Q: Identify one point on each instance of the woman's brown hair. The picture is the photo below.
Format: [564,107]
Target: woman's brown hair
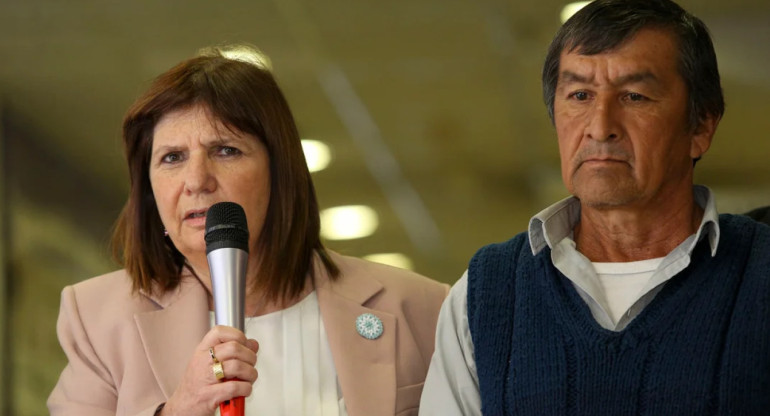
[243,95]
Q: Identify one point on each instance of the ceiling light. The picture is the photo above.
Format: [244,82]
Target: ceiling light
[348,222]
[571,9]
[392,259]
[317,154]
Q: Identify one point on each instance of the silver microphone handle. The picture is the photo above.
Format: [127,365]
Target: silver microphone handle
[228,280]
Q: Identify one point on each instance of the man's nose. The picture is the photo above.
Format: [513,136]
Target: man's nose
[603,120]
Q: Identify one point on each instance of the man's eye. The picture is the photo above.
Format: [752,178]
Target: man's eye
[635,96]
[580,95]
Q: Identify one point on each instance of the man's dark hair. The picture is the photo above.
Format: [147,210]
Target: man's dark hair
[604,25]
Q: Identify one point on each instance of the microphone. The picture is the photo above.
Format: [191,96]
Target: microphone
[227,251]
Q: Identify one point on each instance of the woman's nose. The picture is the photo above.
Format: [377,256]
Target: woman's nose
[199,175]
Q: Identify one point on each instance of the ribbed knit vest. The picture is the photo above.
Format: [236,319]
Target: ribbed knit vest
[702,347]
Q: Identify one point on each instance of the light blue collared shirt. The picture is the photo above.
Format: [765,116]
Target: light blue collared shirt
[553,227]
[452,386]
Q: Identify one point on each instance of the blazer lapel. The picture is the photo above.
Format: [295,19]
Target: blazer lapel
[365,368]
[169,335]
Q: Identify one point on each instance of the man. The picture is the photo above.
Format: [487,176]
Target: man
[761,214]
[633,296]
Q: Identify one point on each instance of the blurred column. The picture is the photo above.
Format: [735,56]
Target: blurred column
[5,405]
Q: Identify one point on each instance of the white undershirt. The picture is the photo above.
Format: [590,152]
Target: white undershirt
[295,365]
[622,283]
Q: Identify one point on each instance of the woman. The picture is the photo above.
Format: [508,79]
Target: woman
[141,341]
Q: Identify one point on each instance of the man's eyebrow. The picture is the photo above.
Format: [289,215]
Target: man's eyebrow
[636,77]
[570,77]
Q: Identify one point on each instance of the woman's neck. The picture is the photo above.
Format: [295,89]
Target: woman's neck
[256,304]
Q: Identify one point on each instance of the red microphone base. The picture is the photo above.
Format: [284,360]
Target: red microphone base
[234,407]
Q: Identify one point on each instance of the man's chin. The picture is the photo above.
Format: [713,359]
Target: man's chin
[606,198]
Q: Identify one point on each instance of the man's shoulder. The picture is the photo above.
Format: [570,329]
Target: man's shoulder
[494,266]
[742,236]
[499,251]
[734,223]
[761,214]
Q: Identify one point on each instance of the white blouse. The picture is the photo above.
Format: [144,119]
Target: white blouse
[295,365]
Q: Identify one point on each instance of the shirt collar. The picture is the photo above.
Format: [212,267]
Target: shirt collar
[551,225]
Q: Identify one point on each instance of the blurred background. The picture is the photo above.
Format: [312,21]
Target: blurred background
[429,111]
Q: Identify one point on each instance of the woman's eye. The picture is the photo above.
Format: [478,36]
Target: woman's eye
[229,151]
[172,158]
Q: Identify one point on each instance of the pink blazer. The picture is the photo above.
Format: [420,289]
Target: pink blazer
[127,353]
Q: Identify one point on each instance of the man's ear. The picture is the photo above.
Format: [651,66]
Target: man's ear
[702,136]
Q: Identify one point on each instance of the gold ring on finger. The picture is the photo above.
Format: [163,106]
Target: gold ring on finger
[219,372]
[213,357]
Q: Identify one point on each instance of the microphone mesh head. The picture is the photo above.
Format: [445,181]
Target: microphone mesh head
[226,227]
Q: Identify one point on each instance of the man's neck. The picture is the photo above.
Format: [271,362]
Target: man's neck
[627,234]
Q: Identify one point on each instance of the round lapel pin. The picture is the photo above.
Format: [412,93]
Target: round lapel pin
[369,326]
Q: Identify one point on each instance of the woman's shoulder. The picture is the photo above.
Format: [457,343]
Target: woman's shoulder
[107,295]
[395,280]
[98,314]
[108,281]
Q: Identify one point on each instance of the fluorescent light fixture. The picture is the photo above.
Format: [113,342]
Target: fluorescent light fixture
[392,259]
[348,222]
[571,9]
[317,154]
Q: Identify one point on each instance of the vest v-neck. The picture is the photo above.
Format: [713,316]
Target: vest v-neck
[672,301]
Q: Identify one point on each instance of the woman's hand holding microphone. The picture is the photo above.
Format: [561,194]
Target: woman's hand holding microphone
[223,367]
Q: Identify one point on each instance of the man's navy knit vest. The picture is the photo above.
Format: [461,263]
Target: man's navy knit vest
[702,347]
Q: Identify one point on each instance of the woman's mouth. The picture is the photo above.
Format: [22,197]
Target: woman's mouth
[197,214]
